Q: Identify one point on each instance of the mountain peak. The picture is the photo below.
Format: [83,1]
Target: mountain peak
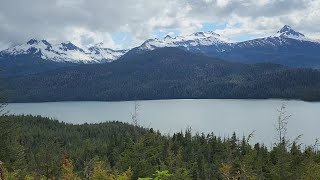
[213,33]
[100,45]
[206,34]
[287,31]
[63,52]
[286,28]
[201,34]
[168,37]
[67,43]
[33,41]
[69,46]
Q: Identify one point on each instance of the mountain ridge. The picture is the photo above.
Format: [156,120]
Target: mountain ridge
[166,73]
[286,46]
[63,52]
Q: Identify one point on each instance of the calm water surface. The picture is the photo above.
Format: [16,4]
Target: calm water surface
[219,116]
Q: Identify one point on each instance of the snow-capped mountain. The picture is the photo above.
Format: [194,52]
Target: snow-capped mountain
[199,42]
[287,46]
[63,52]
[196,39]
[98,51]
[288,32]
[283,37]
[284,47]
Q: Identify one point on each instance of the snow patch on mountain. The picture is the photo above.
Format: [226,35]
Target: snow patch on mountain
[207,43]
[196,39]
[98,51]
[288,32]
[64,52]
[283,37]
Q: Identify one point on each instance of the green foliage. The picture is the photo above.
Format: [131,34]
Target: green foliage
[122,176]
[11,152]
[36,144]
[119,151]
[159,175]
[162,175]
[99,172]
[181,174]
[67,170]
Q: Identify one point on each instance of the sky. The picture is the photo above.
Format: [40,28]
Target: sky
[122,24]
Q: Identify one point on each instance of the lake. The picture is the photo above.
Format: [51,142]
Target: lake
[222,117]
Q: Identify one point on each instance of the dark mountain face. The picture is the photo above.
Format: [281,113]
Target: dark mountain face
[32,41]
[167,73]
[287,51]
[27,64]
[15,63]
[69,46]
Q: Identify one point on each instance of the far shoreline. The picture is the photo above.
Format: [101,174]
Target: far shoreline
[187,99]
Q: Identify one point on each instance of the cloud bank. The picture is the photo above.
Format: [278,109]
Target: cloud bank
[127,23]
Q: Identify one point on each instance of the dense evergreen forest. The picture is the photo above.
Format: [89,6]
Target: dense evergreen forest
[34,147]
[167,73]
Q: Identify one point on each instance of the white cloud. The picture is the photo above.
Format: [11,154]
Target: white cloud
[87,22]
[222,3]
[4,45]
[84,37]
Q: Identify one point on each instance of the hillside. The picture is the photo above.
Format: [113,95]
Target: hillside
[166,73]
[37,147]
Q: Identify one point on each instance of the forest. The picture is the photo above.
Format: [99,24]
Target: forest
[166,73]
[34,147]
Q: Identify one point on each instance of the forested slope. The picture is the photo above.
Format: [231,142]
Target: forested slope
[166,73]
[37,147]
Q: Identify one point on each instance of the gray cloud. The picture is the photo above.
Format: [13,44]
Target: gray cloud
[252,8]
[89,21]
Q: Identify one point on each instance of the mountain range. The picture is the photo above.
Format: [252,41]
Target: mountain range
[39,56]
[63,52]
[201,65]
[287,47]
[166,73]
